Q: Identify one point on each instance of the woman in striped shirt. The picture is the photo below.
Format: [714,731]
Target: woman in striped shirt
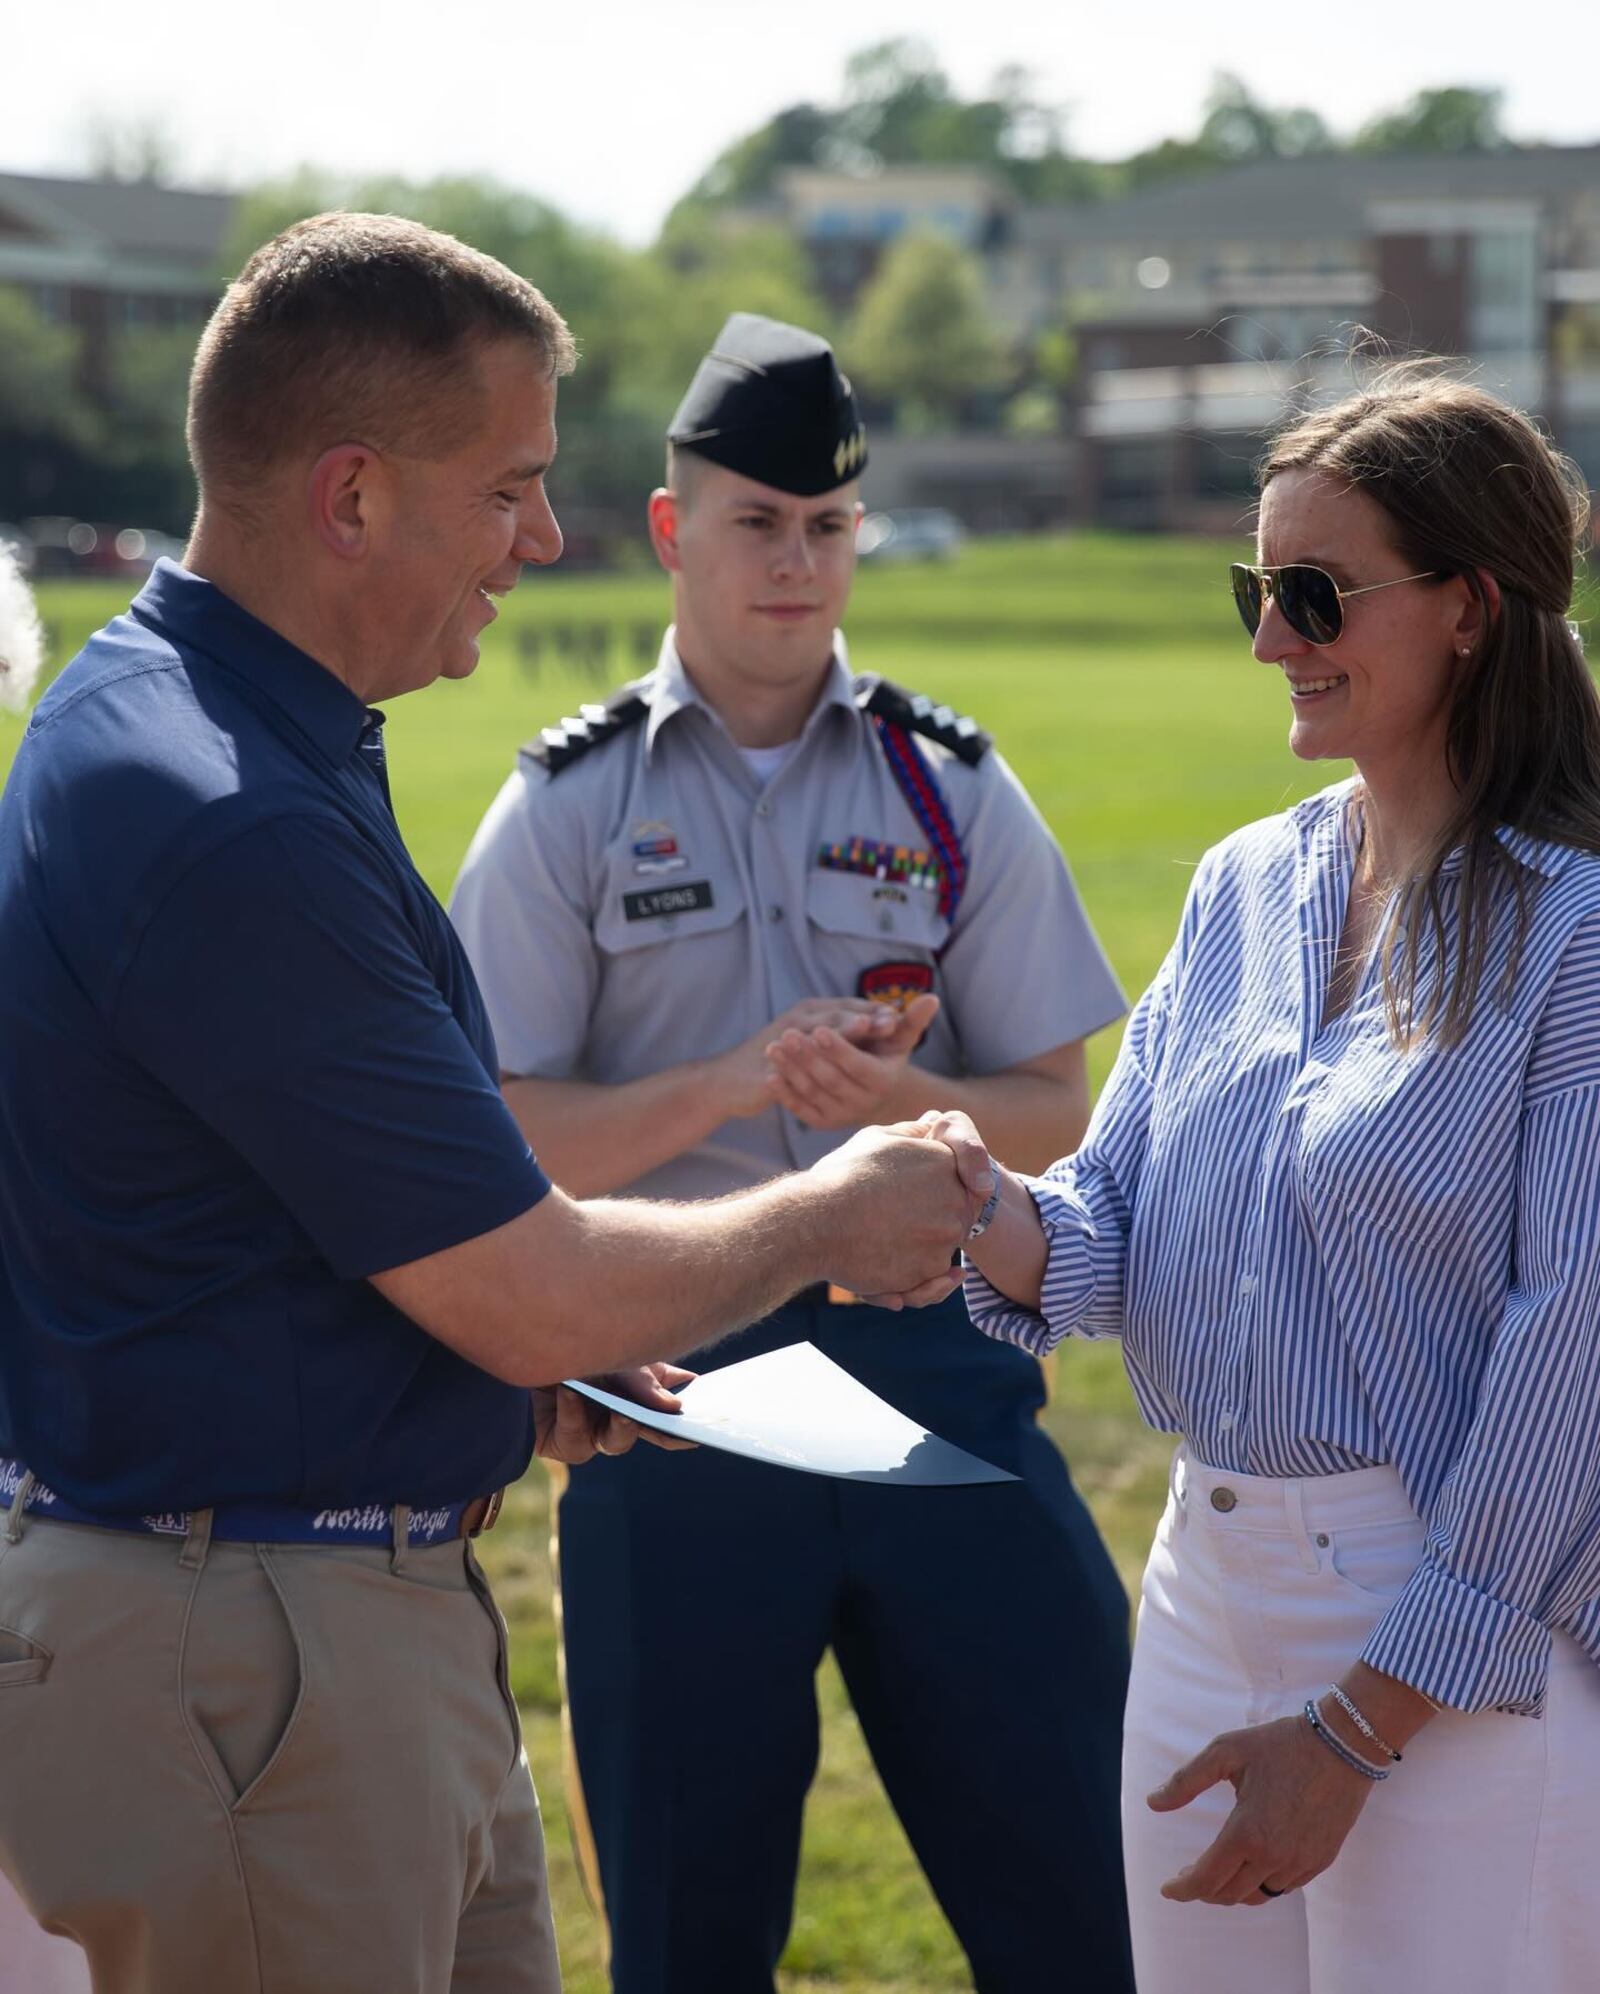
[1341,1202]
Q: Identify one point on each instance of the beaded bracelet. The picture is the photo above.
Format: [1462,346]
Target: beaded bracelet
[1339,1748]
[1346,1704]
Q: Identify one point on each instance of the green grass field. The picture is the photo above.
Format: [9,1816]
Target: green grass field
[1116,679]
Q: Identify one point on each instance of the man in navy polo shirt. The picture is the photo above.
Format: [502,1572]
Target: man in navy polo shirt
[277,1271]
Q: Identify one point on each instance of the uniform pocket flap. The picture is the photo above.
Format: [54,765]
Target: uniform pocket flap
[852,903]
[641,909]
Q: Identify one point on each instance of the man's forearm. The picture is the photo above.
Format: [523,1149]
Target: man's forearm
[1028,1120]
[695,1272]
[574,1287]
[591,1139]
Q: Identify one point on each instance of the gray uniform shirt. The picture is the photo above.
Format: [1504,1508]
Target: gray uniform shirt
[653,903]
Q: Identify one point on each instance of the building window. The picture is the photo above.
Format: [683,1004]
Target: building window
[1503,293]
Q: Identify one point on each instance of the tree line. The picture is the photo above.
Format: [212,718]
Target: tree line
[898,107]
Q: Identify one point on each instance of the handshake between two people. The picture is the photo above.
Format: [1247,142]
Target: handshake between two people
[890,1209]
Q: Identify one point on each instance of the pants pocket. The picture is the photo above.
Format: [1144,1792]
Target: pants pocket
[242,1671]
[1373,1560]
[21,1660]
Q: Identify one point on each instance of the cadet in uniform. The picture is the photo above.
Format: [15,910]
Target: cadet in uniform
[750,902]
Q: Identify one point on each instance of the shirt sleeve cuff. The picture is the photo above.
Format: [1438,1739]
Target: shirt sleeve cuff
[1462,1647]
[479,1210]
[1066,1292]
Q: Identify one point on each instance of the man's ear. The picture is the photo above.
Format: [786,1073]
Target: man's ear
[663,518]
[339,499]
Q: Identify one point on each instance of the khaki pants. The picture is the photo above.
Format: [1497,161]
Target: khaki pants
[266,1769]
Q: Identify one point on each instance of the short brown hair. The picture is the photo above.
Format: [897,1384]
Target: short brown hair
[347,327]
[1470,484]
[683,470]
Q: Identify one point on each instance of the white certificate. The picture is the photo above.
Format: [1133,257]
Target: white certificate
[796,1408]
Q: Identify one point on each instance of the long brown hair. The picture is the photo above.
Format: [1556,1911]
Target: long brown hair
[1469,483]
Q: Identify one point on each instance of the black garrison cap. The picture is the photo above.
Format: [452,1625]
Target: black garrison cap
[769,402]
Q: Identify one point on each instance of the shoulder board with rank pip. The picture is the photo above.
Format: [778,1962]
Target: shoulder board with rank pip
[558,747]
[918,714]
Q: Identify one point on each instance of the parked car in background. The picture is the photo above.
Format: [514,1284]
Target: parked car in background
[59,545]
[78,547]
[134,550]
[920,533]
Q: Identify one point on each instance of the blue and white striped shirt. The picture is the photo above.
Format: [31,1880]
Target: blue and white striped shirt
[1322,1253]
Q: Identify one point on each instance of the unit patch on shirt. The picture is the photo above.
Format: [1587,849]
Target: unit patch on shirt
[685,899]
[655,849]
[895,983]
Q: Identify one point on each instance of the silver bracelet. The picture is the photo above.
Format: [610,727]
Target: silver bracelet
[1339,1748]
[1360,1722]
[991,1205]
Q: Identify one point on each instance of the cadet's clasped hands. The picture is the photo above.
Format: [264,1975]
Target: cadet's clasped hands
[841,1073]
[833,1062]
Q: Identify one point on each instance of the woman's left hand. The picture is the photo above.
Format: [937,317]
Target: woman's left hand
[1296,1803]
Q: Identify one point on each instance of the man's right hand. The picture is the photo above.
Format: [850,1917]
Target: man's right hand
[743,1077]
[902,1200]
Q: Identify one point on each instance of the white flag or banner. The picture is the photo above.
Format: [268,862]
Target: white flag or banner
[795,1408]
[21,637]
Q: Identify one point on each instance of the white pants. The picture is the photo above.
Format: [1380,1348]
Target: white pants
[1475,1869]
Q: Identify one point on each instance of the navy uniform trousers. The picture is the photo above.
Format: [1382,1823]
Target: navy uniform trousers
[982,1633]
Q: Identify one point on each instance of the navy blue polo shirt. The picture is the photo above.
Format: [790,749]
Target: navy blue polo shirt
[243,1066]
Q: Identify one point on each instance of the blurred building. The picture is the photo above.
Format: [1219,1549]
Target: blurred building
[101,256]
[1207,310]
[1204,311]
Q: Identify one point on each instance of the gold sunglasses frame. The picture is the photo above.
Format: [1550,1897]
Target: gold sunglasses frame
[1264,578]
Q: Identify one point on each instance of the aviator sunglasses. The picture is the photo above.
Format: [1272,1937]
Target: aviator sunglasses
[1312,602]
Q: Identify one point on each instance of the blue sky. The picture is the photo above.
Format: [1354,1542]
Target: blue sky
[609,108]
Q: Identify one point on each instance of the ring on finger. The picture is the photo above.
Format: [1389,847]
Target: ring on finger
[1267,1890]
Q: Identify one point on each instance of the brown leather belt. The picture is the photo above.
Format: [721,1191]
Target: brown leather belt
[481,1514]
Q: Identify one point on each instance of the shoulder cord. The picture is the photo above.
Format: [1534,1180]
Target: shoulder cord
[920,787]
